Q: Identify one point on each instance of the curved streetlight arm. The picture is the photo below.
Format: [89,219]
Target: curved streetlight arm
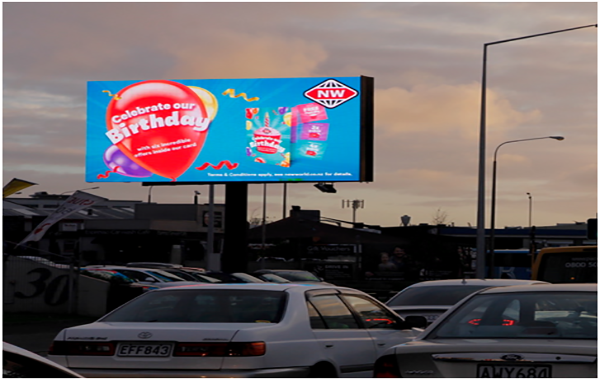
[539,34]
[493,208]
[559,138]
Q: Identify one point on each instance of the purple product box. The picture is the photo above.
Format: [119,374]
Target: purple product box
[315,131]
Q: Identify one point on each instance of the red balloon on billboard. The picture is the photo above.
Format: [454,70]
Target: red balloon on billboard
[160,125]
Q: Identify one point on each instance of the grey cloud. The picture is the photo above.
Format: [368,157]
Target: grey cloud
[52,49]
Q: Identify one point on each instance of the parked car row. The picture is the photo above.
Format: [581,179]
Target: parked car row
[481,328]
[301,330]
[160,275]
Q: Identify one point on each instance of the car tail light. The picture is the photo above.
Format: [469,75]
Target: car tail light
[220,349]
[380,320]
[505,322]
[386,366]
[82,348]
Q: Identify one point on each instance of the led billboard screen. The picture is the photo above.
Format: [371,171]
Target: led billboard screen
[230,130]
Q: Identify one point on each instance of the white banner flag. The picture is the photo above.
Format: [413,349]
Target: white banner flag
[78,201]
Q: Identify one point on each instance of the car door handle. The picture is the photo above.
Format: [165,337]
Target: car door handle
[381,344]
[328,345]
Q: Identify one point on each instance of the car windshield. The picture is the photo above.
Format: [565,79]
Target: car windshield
[531,315]
[165,276]
[204,305]
[112,276]
[433,295]
[247,278]
[184,275]
[202,278]
[298,276]
[274,278]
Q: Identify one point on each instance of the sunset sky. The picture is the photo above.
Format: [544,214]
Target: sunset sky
[426,61]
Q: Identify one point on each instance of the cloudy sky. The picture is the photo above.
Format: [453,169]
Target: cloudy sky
[425,58]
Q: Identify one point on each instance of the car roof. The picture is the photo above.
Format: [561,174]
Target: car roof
[477,282]
[280,270]
[291,287]
[544,288]
[7,347]
[115,267]
[154,264]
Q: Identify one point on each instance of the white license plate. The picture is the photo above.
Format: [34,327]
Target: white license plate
[134,349]
[510,371]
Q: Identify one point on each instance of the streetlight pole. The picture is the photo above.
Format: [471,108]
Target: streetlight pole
[284,200]
[480,270]
[493,210]
[150,193]
[530,208]
[264,227]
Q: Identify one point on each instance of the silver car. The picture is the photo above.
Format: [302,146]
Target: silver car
[545,330]
[430,299]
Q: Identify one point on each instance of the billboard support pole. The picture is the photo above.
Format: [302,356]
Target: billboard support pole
[235,249]
[284,199]
[213,261]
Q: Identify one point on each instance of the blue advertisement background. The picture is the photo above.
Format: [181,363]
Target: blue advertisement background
[227,134]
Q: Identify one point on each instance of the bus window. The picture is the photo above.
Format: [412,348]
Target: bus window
[511,263]
[566,264]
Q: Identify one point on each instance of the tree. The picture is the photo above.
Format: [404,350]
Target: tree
[439,217]
[256,221]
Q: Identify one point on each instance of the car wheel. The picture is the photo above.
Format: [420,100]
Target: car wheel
[323,370]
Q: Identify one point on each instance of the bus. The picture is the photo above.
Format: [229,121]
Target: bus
[510,263]
[559,265]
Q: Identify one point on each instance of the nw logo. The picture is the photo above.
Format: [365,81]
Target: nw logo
[330,93]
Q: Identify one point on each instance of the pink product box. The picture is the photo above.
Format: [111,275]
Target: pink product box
[311,112]
[294,125]
[314,131]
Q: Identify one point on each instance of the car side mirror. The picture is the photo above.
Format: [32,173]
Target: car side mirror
[150,279]
[417,321]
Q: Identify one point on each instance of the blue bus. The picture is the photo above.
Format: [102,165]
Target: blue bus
[510,263]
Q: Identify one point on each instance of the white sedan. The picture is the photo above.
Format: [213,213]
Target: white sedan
[236,330]
[430,299]
[547,330]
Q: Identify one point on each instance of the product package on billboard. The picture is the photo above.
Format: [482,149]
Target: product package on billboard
[230,130]
[268,136]
[314,131]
